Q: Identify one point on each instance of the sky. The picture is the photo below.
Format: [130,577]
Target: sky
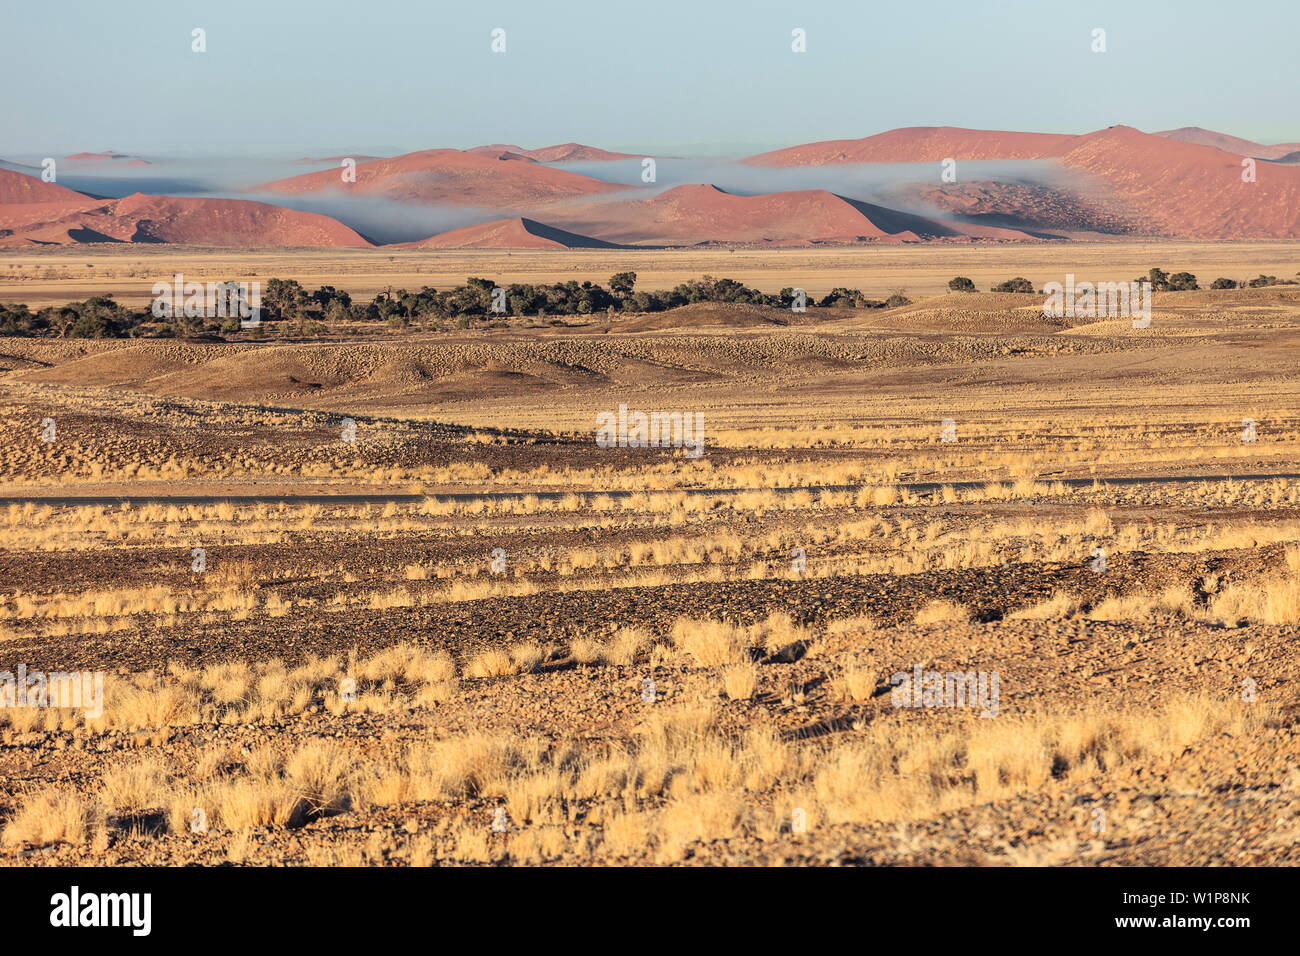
[290,78]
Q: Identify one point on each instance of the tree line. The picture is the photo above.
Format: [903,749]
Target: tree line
[288,304]
[1161,281]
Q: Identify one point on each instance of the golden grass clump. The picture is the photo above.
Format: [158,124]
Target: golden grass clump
[586,651]
[855,683]
[941,611]
[739,680]
[135,786]
[49,816]
[250,802]
[490,663]
[525,658]
[321,771]
[1275,600]
[625,645]
[710,643]
[233,692]
[1059,605]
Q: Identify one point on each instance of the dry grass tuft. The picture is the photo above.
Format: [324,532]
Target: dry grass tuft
[739,680]
[135,786]
[1059,605]
[50,816]
[491,663]
[855,683]
[943,612]
[711,643]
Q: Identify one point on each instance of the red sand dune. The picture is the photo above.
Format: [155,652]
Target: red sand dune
[141,218]
[563,153]
[1179,189]
[916,144]
[1151,184]
[20,188]
[1163,184]
[359,157]
[700,213]
[496,149]
[453,176]
[62,223]
[1229,144]
[1053,211]
[108,156]
[231,222]
[517,233]
[570,152]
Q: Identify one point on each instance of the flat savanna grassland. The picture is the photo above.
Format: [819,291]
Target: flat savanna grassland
[528,649]
[52,276]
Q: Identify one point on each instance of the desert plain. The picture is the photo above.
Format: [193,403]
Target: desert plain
[381,598]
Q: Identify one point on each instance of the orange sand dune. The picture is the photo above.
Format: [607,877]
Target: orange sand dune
[108,156]
[141,218]
[1162,185]
[358,157]
[231,222]
[517,233]
[496,149]
[1229,144]
[20,188]
[28,219]
[1183,190]
[704,213]
[563,153]
[453,176]
[916,144]
[569,152]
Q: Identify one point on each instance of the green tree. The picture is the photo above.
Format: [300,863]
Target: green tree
[622,284]
[1159,280]
[897,297]
[961,284]
[284,297]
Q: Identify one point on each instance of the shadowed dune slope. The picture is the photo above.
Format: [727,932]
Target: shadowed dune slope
[517,233]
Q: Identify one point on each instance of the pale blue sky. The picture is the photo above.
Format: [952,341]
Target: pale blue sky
[664,76]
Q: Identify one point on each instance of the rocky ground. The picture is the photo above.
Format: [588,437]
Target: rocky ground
[462,674]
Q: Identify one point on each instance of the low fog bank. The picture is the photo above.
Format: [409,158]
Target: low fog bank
[178,177]
[384,220]
[868,182]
